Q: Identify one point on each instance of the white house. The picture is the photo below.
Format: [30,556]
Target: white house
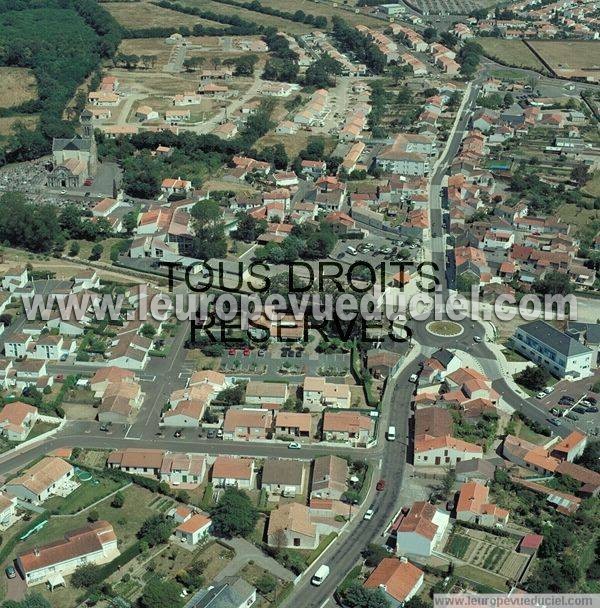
[232,471]
[17,420]
[7,510]
[15,278]
[194,529]
[419,531]
[95,544]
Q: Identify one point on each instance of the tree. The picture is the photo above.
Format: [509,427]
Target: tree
[210,241]
[148,331]
[161,594]
[155,530]
[266,584]
[96,252]
[249,228]
[118,500]
[430,34]
[31,600]
[373,554]
[93,515]
[130,221]
[580,174]
[87,575]
[534,378]
[554,283]
[234,515]
[6,319]
[357,596]
[447,482]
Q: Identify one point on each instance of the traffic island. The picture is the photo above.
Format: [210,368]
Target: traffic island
[444,329]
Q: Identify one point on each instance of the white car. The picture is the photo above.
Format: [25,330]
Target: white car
[294,446]
[548,390]
[369,514]
[477,339]
[413,378]
[541,395]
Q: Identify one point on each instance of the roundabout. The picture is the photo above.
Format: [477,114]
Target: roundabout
[445,329]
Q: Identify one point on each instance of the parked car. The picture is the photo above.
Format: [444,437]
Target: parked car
[548,389]
[262,352]
[555,421]
[369,513]
[541,395]
[59,377]
[477,339]
[104,428]
[246,352]
[10,572]
[380,485]
[580,409]
[219,432]
[211,434]
[592,400]
[413,378]
[232,351]
[298,353]
[593,409]
[294,445]
[572,416]
[177,434]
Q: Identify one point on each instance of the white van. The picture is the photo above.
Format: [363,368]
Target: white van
[391,433]
[320,575]
[351,250]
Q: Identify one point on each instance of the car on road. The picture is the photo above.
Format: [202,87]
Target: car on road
[380,485]
[413,378]
[294,445]
[320,575]
[369,513]
[477,339]
[541,395]
[555,422]
[10,572]
[177,434]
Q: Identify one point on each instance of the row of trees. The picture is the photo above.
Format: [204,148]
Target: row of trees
[282,66]
[298,16]
[363,48]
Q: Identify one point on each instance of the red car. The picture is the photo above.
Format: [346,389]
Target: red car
[380,485]
[60,378]
[88,182]
[246,352]
[232,351]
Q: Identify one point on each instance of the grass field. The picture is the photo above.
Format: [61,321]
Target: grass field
[85,495]
[569,54]
[18,86]
[577,217]
[458,545]
[8,124]
[135,15]
[286,25]
[325,9]
[593,186]
[512,52]
[147,46]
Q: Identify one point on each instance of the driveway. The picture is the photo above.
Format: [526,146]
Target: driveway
[244,552]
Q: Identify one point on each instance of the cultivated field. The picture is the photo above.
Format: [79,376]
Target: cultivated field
[225,9]
[147,46]
[569,54]
[134,15]
[511,52]
[18,86]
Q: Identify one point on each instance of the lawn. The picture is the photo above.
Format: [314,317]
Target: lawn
[135,15]
[576,216]
[18,86]
[481,577]
[444,328]
[569,54]
[511,52]
[41,427]
[325,542]
[524,432]
[85,495]
[291,27]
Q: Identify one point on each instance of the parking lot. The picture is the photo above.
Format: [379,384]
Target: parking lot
[572,394]
[374,251]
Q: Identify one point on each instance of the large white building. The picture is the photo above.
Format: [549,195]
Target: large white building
[554,350]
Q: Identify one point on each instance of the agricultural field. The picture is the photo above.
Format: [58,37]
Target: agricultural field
[291,27]
[8,124]
[134,15]
[18,86]
[569,54]
[511,52]
[450,7]
[147,46]
[484,551]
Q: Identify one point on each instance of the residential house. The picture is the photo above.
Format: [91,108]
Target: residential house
[329,477]
[569,448]
[473,506]
[261,393]
[293,424]
[282,476]
[182,469]
[96,543]
[476,469]
[349,427]
[109,375]
[45,478]
[318,393]
[232,471]
[187,413]
[8,510]
[247,424]
[443,451]
[17,420]
[419,530]
[398,579]
[137,461]
[194,529]
[290,526]
[231,592]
